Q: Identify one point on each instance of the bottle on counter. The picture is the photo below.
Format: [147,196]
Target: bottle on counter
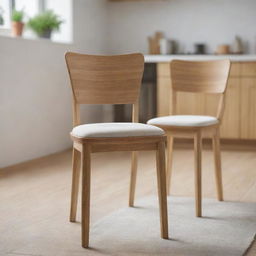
[165,46]
[154,42]
[237,45]
[200,48]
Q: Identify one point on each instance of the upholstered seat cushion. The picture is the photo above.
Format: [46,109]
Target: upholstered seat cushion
[115,130]
[184,120]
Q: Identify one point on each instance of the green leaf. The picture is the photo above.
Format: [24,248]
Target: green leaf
[17,16]
[45,21]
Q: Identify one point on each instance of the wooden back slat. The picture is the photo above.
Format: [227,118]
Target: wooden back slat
[200,76]
[105,79]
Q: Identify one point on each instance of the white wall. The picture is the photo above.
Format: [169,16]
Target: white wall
[35,95]
[212,22]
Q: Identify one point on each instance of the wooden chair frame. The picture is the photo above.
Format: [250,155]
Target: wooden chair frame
[98,68]
[198,77]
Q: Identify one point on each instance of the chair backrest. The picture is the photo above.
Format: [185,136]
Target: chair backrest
[105,79]
[200,76]
[209,77]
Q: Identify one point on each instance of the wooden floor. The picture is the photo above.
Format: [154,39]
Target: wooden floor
[29,191]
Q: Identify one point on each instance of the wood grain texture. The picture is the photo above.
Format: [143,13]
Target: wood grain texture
[248,69]
[198,174]
[75,183]
[162,192]
[200,76]
[231,122]
[163,96]
[248,108]
[86,194]
[105,79]
[134,166]
[235,69]
[217,161]
[134,159]
[169,157]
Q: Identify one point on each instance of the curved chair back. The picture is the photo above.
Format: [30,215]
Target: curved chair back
[209,77]
[200,76]
[105,79]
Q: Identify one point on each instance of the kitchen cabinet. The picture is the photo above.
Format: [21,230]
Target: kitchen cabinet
[248,107]
[239,120]
[163,96]
[230,127]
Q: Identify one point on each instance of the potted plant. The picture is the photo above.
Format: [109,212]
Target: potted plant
[43,24]
[17,22]
[1,16]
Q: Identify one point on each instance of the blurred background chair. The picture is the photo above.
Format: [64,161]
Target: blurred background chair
[196,77]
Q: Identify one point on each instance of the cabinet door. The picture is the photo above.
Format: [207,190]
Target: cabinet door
[248,108]
[230,127]
[248,69]
[163,89]
[211,102]
[163,96]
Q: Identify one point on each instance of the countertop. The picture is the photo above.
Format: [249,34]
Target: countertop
[168,58]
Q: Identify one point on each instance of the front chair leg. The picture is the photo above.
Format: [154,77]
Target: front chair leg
[86,184]
[133,178]
[75,184]
[217,160]
[162,194]
[198,174]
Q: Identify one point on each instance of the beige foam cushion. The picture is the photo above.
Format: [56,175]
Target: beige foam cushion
[114,130]
[184,120]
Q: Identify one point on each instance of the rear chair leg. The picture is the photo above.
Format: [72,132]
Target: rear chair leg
[133,178]
[198,178]
[217,160]
[169,163]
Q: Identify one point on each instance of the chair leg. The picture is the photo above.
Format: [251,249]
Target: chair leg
[75,184]
[86,184]
[169,163]
[162,194]
[217,160]
[134,167]
[198,174]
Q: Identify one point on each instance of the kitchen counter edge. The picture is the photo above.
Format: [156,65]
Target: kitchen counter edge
[168,58]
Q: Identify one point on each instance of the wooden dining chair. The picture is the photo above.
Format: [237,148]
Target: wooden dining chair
[110,80]
[196,77]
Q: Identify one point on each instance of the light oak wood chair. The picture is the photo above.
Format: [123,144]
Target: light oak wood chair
[196,77]
[110,80]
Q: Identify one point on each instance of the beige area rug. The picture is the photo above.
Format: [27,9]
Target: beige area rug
[227,228]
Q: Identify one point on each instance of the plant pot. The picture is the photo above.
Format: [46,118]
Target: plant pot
[46,34]
[17,28]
